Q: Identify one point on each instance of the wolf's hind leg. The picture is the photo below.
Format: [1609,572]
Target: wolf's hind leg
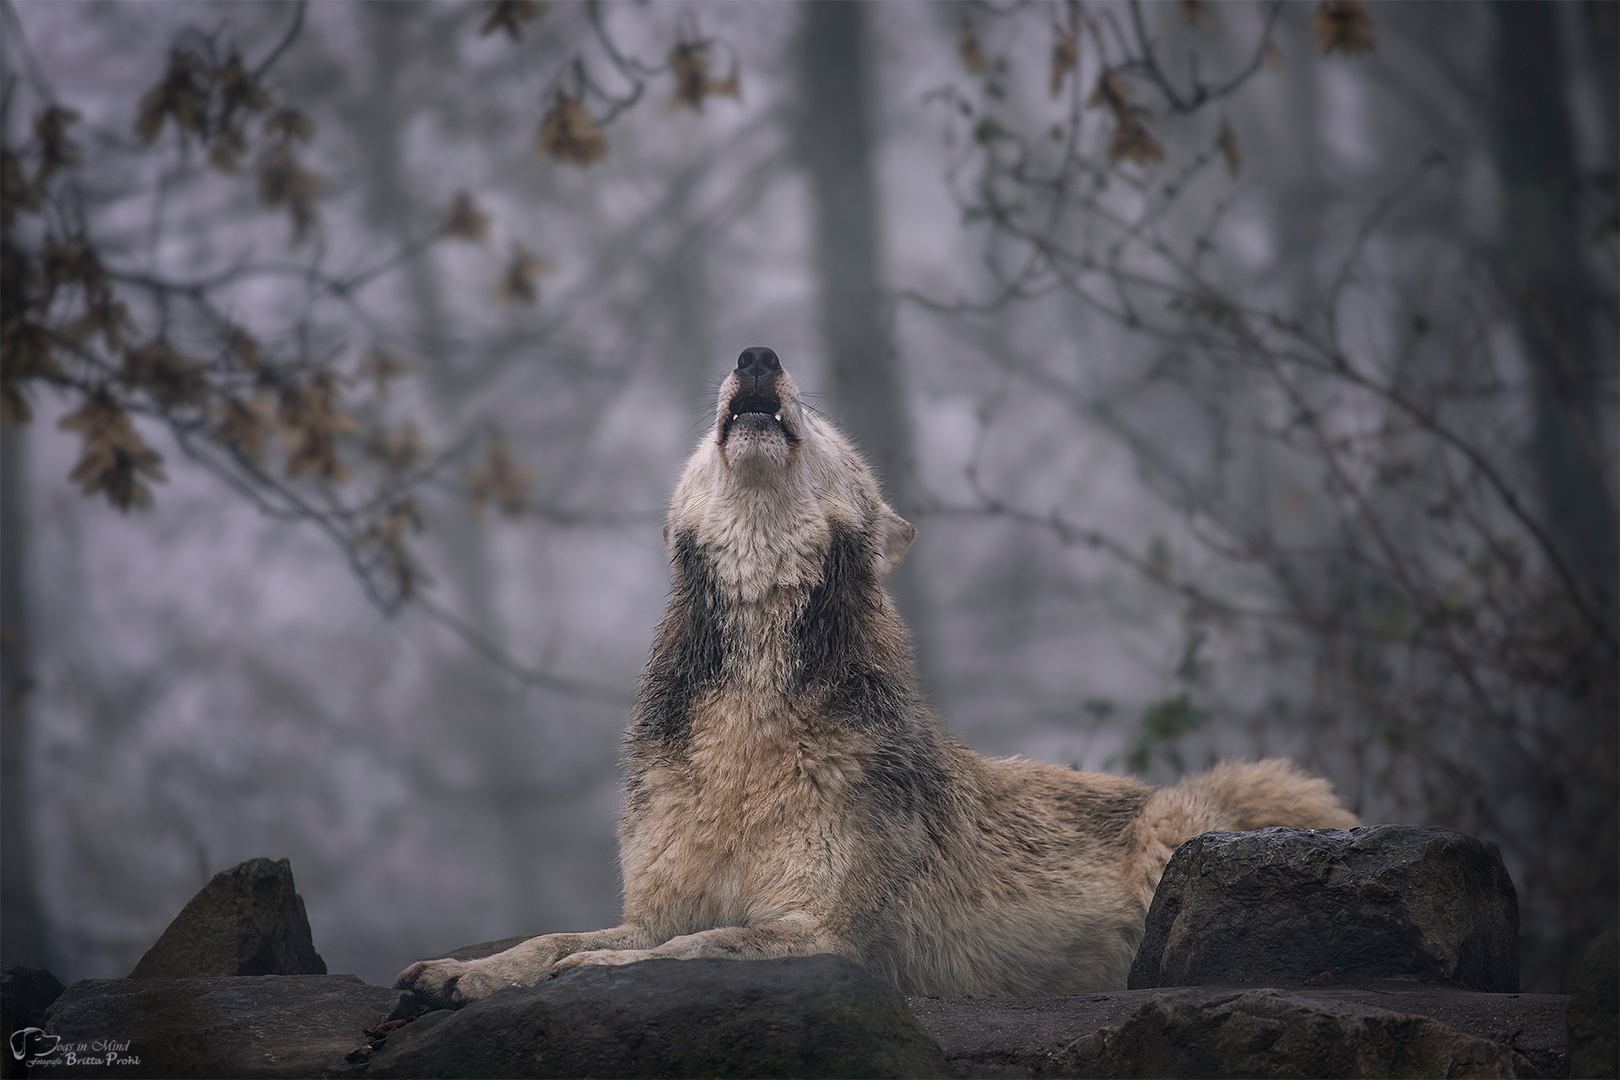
[790,935]
[453,983]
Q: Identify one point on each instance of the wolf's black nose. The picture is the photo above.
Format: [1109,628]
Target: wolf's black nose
[758,362]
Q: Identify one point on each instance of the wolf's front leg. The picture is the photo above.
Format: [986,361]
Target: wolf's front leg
[790,935]
[450,984]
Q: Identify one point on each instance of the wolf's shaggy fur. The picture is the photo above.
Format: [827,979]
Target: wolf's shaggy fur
[789,791]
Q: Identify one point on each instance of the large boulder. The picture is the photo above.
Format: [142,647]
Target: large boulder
[1292,907]
[1272,1033]
[799,1016]
[249,920]
[274,1026]
[1594,1011]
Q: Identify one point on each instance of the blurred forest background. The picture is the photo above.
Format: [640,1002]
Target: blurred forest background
[1249,370]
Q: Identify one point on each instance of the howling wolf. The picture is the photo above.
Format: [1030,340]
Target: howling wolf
[789,792]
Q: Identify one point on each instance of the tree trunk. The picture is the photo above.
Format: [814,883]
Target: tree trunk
[23,929]
[1543,267]
[835,145]
[1553,297]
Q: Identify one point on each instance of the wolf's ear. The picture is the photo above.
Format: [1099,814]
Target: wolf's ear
[894,535]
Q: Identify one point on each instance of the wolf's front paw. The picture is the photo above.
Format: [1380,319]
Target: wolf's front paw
[446,984]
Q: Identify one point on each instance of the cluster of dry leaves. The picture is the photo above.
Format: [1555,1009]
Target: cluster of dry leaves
[65,325]
[1339,26]
[1131,140]
[211,103]
[568,132]
[65,322]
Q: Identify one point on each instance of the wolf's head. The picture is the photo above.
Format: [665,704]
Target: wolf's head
[764,491]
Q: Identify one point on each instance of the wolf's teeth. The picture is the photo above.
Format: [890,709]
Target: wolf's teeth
[778,418]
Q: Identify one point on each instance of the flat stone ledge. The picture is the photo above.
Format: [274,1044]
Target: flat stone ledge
[261,1026]
[802,1016]
[1024,1037]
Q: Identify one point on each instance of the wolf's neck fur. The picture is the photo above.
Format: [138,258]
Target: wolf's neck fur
[762,537]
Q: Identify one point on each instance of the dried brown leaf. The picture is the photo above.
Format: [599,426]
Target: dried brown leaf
[1229,150]
[114,456]
[519,281]
[499,478]
[245,348]
[15,191]
[1111,92]
[728,87]
[245,426]
[382,366]
[509,16]
[283,181]
[967,48]
[149,115]
[72,262]
[1343,25]
[690,62]
[397,449]
[310,426]
[1274,58]
[388,534]
[57,151]
[178,95]
[14,408]
[238,90]
[465,221]
[569,134]
[105,315]
[1065,58]
[391,527]
[25,354]
[1133,142]
[169,379]
[290,124]
[1196,14]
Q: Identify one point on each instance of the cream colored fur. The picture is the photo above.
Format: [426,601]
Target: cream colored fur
[773,810]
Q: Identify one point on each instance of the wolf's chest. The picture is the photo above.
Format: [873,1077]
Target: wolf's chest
[749,825]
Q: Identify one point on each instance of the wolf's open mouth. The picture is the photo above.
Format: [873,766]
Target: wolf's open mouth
[755,410]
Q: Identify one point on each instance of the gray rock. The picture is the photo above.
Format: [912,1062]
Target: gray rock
[249,920]
[1273,1033]
[25,994]
[799,1016]
[1013,1037]
[1292,907]
[1594,1011]
[274,1026]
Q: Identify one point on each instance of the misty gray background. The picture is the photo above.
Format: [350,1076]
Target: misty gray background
[211,685]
